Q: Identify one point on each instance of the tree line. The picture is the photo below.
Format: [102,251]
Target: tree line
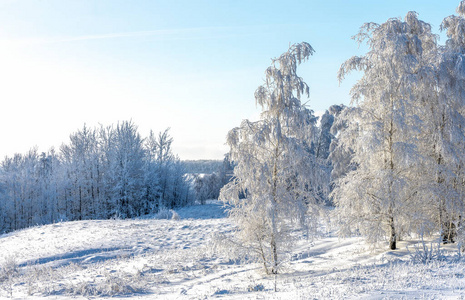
[103,172]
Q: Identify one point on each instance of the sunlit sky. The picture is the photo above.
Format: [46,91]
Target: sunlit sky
[189,65]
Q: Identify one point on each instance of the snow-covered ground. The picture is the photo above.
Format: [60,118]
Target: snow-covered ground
[175,259]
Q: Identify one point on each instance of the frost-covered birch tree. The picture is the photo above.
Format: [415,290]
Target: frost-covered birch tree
[81,160]
[275,172]
[378,198]
[126,167]
[448,124]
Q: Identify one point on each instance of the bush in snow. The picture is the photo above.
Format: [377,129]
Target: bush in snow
[167,214]
[111,285]
[8,271]
[422,253]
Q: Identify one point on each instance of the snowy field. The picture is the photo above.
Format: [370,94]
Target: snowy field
[176,259]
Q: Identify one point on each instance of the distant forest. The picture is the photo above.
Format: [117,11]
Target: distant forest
[103,172]
[204,166]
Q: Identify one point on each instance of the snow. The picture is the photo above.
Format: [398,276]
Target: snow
[149,258]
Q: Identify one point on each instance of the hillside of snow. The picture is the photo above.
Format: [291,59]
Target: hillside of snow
[154,258]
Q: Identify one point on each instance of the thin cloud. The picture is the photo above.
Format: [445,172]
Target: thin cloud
[181,33]
[163,32]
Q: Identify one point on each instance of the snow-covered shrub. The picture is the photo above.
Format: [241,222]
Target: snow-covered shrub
[255,288]
[167,214]
[8,270]
[225,247]
[422,253]
[174,215]
[111,285]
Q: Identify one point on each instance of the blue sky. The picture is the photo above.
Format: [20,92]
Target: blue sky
[189,65]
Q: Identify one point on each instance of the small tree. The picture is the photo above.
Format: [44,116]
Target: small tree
[274,169]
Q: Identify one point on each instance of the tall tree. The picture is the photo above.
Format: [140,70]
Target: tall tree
[126,166]
[81,160]
[377,197]
[447,111]
[274,169]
